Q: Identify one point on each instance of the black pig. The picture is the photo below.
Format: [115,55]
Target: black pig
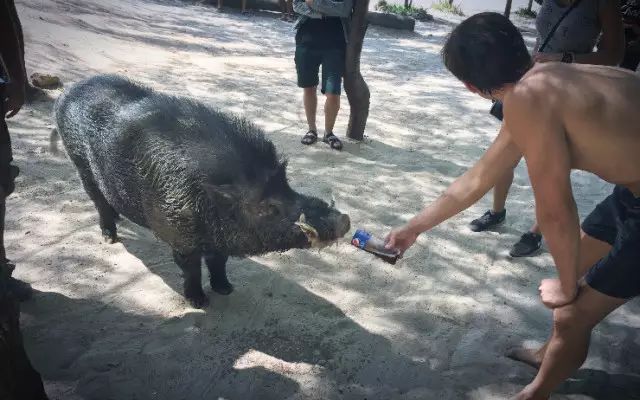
[208,184]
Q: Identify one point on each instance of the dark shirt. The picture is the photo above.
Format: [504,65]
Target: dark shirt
[324,33]
[631,10]
[8,15]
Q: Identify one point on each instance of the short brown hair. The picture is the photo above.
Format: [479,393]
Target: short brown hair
[487,51]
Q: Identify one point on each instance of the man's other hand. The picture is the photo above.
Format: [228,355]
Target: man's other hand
[552,294]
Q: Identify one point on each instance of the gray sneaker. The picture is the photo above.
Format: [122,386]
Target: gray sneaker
[528,244]
[488,220]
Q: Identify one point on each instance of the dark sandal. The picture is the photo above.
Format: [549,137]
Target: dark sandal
[333,141]
[310,138]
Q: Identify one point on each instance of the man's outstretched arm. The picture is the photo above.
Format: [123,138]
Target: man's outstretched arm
[465,191]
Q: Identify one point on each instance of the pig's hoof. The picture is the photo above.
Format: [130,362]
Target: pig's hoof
[224,288]
[109,236]
[199,301]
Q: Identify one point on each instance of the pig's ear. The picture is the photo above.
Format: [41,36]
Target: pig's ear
[225,193]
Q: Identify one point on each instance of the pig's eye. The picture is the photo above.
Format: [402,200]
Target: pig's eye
[274,210]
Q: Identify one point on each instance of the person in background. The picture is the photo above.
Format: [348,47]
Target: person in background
[31,93]
[287,10]
[13,84]
[631,18]
[321,37]
[572,42]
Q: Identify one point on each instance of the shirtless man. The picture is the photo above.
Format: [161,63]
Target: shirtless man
[558,117]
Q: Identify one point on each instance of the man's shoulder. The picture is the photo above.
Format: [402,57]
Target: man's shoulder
[539,84]
[541,72]
[525,95]
[534,98]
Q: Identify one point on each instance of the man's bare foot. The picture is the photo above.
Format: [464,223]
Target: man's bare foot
[528,394]
[531,357]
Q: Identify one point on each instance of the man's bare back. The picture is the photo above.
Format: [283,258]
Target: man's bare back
[599,109]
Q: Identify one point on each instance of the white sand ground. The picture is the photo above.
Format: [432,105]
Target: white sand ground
[109,322]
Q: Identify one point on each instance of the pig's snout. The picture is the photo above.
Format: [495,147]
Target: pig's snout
[343,224]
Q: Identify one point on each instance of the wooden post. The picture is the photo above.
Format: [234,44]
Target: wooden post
[354,85]
[507,9]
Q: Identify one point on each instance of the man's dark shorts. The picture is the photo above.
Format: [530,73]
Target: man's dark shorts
[8,172]
[616,221]
[308,61]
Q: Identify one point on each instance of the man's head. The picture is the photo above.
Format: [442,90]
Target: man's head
[486,52]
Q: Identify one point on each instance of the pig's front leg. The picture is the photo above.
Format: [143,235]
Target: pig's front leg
[217,264]
[191,266]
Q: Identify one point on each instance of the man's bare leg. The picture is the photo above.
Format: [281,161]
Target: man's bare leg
[501,191]
[496,215]
[531,357]
[535,228]
[331,108]
[591,251]
[310,100]
[567,349]
[290,9]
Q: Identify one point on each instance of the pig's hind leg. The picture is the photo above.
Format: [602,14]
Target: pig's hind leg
[217,265]
[106,213]
[191,266]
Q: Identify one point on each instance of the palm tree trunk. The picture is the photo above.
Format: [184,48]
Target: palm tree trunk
[354,85]
[507,9]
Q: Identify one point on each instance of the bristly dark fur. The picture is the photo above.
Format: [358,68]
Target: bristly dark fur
[239,138]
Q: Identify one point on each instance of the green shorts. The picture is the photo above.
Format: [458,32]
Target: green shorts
[308,62]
